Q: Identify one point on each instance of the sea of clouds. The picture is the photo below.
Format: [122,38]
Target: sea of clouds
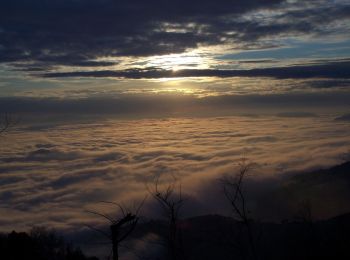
[51,174]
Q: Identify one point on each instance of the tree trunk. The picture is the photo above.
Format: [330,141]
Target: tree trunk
[115,251]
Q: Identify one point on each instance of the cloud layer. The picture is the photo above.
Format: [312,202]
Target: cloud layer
[329,70]
[175,104]
[52,175]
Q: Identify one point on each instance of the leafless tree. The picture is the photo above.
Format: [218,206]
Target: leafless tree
[304,212]
[170,198]
[311,236]
[6,122]
[345,157]
[234,193]
[120,228]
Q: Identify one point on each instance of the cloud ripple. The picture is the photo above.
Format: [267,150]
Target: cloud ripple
[50,176]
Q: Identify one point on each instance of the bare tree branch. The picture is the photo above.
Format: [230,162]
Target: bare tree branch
[101,215]
[6,122]
[171,201]
[117,204]
[120,228]
[233,191]
[99,231]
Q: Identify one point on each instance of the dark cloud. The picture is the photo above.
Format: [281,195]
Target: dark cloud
[169,105]
[76,33]
[83,30]
[326,70]
[44,155]
[345,117]
[296,114]
[329,83]
[49,63]
[257,61]
[112,157]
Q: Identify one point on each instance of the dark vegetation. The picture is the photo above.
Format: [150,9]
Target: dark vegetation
[240,236]
[39,244]
[6,122]
[219,237]
[206,237]
[171,202]
[119,228]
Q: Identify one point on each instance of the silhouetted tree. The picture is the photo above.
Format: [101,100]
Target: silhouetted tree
[304,213]
[310,235]
[120,228]
[6,121]
[171,201]
[234,193]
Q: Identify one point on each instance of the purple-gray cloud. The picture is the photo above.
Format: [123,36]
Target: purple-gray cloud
[76,33]
[145,105]
[330,70]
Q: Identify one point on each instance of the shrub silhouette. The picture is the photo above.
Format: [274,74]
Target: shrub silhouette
[39,244]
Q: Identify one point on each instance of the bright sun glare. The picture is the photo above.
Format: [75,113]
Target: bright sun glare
[176,62]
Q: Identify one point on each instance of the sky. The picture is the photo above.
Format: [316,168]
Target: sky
[108,94]
[83,49]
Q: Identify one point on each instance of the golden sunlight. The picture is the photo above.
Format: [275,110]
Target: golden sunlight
[177,62]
